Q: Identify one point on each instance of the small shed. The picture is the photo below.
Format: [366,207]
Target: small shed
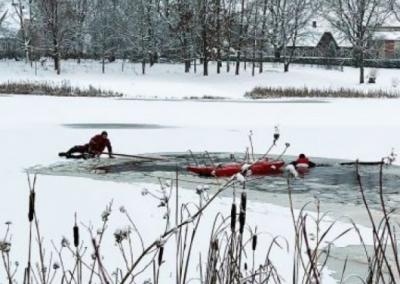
[319,39]
[387,43]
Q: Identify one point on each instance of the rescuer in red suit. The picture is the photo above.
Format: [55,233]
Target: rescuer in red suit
[93,149]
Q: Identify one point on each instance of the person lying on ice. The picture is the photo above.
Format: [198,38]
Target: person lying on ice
[303,162]
[93,149]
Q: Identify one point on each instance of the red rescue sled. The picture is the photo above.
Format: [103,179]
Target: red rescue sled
[262,167]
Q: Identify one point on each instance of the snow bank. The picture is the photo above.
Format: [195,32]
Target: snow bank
[174,83]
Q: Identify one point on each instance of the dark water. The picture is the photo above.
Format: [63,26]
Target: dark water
[332,182]
[114,126]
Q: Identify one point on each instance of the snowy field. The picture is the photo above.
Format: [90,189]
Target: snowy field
[33,132]
[176,84]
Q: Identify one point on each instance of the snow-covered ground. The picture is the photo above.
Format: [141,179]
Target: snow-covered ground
[174,83]
[33,133]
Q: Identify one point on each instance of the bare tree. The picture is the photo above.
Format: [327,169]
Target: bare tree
[55,15]
[179,16]
[288,19]
[394,6]
[219,34]
[103,31]
[205,34]
[240,36]
[3,17]
[357,20]
[255,32]
[24,25]
[80,12]
[263,33]
[229,9]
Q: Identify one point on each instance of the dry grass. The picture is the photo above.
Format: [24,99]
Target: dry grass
[271,92]
[51,89]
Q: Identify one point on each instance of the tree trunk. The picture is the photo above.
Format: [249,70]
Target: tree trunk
[286,67]
[229,37]
[218,38]
[237,63]
[103,65]
[362,67]
[143,66]
[187,65]
[204,38]
[240,38]
[56,57]
[56,64]
[254,56]
[253,69]
[205,67]
[27,57]
[186,53]
[80,51]
[277,55]
[264,23]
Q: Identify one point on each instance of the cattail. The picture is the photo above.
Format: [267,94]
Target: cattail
[215,245]
[31,212]
[76,234]
[94,243]
[254,242]
[242,214]
[243,201]
[242,221]
[160,255]
[233,217]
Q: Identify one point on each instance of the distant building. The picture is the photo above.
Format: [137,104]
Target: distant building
[319,39]
[8,44]
[386,42]
[322,40]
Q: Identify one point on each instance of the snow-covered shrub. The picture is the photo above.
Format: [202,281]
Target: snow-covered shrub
[272,92]
[373,74]
[51,89]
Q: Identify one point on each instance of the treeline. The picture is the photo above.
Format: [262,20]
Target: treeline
[186,31]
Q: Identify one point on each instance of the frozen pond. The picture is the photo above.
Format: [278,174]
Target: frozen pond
[338,129]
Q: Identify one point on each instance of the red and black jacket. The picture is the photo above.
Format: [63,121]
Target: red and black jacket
[98,143]
[303,161]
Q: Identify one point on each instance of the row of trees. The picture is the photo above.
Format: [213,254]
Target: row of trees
[229,31]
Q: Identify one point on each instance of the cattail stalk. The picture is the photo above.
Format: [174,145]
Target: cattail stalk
[242,214]
[76,236]
[233,217]
[75,231]
[254,242]
[31,212]
[160,255]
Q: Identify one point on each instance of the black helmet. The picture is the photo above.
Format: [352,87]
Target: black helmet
[104,133]
[302,156]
